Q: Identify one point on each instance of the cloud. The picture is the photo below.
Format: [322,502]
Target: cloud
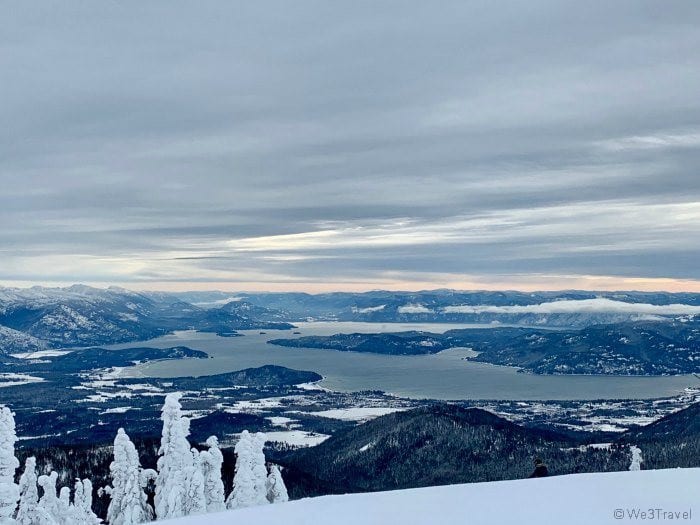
[414,309]
[598,305]
[368,309]
[308,144]
[682,140]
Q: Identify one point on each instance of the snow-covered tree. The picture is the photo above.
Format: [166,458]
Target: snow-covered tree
[49,503]
[174,461]
[81,509]
[9,491]
[29,512]
[211,461]
[250,478]
[242,493]
[128,502]
[637,460]
[195,500]
[65,509]
[90,517]
[259,468]
[57,507]
[276,490]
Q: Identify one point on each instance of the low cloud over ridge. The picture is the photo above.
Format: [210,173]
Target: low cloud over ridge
[598,305]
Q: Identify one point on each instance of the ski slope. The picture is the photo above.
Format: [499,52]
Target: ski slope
[581,499]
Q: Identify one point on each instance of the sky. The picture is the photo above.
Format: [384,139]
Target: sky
[325,145]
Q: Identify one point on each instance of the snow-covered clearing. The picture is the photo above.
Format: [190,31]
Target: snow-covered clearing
[356,413]
[43,436]
[297,438]
[12,379]
[41,353]
[594,446]
[144,387]
[580,499]
[118,410]
[313,386]
[255,406]
[103,397]
[281,421]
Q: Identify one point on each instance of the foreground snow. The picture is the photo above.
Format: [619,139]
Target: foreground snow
[585,499]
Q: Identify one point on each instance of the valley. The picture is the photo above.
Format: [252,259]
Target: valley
[256,362]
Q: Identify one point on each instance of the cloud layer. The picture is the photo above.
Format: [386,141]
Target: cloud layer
[314,145]
[599,305]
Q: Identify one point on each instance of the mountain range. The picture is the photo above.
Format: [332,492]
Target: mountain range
[37,318]
[630,333]
[564,308]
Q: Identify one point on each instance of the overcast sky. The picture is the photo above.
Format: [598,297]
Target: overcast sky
[351,145]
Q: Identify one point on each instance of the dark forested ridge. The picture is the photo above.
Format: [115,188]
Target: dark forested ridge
[444,444]
[670,442]
[399,343]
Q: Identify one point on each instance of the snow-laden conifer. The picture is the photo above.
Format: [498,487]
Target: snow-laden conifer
[195,500]
[259,468]
[29,512]
[211,461]
[174,461]
[250,478]
[637,460]
[9,491]
[81,508]
[242,493]
[49,503]
[276,490]
[128,502]
[65,509]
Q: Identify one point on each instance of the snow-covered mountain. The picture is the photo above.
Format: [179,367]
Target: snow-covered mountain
[14,341]
[80,315]
[585,499]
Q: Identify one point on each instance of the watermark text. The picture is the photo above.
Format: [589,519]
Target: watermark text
[653,514]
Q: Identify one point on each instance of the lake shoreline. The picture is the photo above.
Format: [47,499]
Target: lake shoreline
[442,376]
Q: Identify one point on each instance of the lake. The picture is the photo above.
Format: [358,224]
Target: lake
[446,375]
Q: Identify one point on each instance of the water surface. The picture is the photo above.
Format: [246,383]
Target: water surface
[446,375]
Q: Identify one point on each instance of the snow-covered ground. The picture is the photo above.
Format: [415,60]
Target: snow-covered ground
[297,438]
[580,499]
[41,353]
[12,379]
[356,413]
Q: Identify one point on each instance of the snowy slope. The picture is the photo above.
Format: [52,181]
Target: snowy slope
[581,499]
[16,341]
[77,315]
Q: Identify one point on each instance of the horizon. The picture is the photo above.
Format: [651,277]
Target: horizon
[207,289]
